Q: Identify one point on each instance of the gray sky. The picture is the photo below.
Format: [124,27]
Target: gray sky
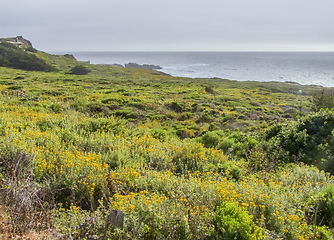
[171,25]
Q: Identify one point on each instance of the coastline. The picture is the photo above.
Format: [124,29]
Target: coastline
[306,68]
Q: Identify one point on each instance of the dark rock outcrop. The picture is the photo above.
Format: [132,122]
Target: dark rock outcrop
[144,66]
[117,65]
[18,41]
[24,41]
[70,56]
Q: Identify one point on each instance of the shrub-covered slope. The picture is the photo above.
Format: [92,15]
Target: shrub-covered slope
[21,58]
[182,158]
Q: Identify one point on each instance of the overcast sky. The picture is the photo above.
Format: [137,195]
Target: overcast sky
[171,25]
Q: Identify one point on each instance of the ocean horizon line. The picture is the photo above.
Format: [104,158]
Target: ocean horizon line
[143,51]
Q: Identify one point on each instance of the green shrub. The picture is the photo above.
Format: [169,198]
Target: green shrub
[258,160]
[186,116]
[205,117]
[15,87]
[56,107]
[158,133]
[153,116]
[176,107]
[118,100]
[239,144]
[108,124]
[113,160]
[214,126]
[308,140]
[137,105]
[93,107]
[236,173]
[79,70]
[321,209]
[232,222]
[78,104]
[228,170]
[210,139]
[126,112]
[226,144]
[53,92]
[228,117]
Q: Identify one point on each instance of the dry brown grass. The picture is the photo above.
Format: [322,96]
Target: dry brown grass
[23,211]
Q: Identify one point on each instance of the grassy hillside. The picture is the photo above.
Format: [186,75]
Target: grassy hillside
[182,158]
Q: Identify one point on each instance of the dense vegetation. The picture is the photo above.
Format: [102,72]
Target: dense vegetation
[182,158]
[21,58]
[308,140]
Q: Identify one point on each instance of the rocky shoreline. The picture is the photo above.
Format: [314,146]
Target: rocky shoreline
[144,66]
[134,65]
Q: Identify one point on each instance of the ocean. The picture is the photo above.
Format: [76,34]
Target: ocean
[307,68]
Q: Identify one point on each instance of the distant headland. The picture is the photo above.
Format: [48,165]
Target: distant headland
[18,41]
